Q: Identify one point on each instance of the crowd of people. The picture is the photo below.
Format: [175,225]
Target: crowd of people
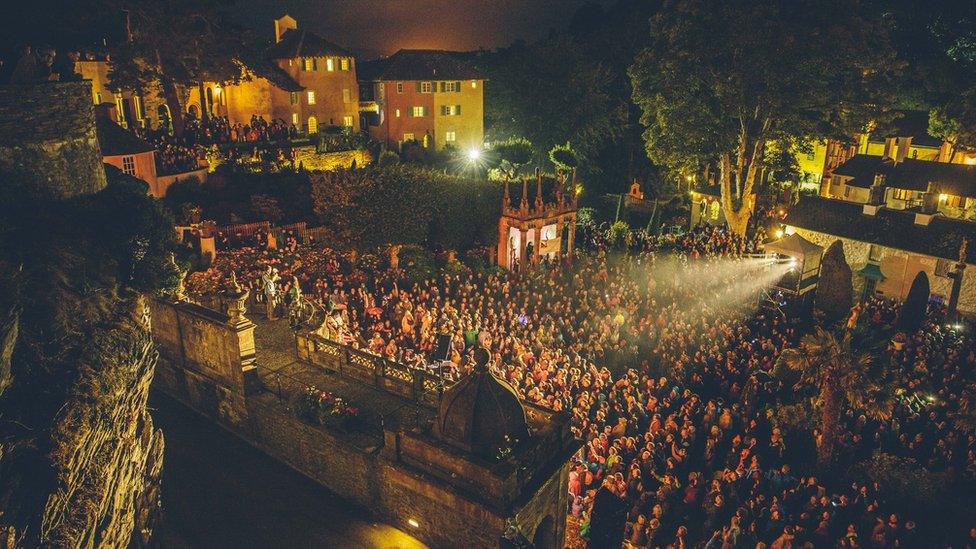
[666,369]
[219,130]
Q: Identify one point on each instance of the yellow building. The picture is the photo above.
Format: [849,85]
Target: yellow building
[428,96]
[302,79]
[130,109]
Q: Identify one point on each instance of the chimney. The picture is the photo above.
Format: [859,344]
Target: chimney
[904,143]
[889,147]
[283,24]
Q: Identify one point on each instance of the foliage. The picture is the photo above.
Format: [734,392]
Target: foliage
[722,79]
[417,263]
[266,207]
[905,484]
[511,155]
[841,379]
[388,158]
[232,196]
[913,309]
[405,204]
[618,234]
[835,290]
[325,408]
[564,157]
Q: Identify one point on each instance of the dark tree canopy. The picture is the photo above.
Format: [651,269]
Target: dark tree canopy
[913,310]
[721,79]
[835,290]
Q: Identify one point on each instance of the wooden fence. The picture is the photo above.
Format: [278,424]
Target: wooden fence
[245,229]
[417,385]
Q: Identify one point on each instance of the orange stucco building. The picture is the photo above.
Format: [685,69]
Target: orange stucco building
[302,79]
[428,96]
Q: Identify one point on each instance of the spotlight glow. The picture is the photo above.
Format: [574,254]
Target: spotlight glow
[474,155]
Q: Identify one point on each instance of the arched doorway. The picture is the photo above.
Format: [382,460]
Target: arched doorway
[193,112]
[545,534]
[313,125]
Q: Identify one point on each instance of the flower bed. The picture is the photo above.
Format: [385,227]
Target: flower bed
[326,409]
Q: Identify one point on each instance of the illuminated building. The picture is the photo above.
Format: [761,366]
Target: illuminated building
[302,79]
[428,96]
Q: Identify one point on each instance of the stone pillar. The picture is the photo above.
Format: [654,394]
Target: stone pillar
[523,236]
[572,237]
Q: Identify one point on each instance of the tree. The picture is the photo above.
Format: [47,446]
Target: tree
[913,310]
[835,290]
[511,155]
[185,42]
[841,380]
[721,79]
[563,157]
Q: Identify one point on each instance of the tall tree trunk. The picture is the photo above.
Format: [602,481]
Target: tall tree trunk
[748,162]
[829,420]
[204,106]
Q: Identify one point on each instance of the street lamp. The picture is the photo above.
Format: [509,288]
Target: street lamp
[474,155]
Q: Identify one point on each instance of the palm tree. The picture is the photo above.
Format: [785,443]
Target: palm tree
[827,363]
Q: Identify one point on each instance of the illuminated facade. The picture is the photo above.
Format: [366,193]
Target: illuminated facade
[302,79]
[427,96]
[537,228]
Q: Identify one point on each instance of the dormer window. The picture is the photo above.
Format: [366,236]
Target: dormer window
[309,64]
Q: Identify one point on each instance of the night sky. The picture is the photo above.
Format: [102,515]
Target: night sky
[384,26]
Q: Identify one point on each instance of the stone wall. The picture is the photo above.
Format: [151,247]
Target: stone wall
[47,138]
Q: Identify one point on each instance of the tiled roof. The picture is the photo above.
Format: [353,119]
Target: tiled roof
[419,65]
[890,228]
[297,43]
[955,179]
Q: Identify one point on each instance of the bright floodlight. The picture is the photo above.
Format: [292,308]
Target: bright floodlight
[474,154]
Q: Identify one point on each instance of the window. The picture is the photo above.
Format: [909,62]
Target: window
[294,118]
[450,110]
[419,112]
[450,137]
[98,98]
[309,64]
[474,83]
[329,64]
[399,87]
[313,125]
[398,113]
[129,165]
[137,103]
[120,110]
[408,137]
[380,91]
[901,194]
[425,87]
[450,86]
[311,97]
[293,96]
[346,95]
[347,121]
[343,64]
[875,253]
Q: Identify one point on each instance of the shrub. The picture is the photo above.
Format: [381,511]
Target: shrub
[913,310]
[835,290]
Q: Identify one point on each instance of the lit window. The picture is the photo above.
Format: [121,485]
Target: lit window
[474,83]
[329,64]
[309,64]
[313,125]
[426,87]
[311,97]
[399,87]
[347,121]
[137,103]
[343,64]
[398,113]
[408,137]
[346,95]
[293,96]
[294,118]
[119,110]
[98,98]
[450,110]
[418,112]
[129,165]
[450,137]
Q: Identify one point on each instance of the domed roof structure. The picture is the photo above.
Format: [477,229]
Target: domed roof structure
[481,414]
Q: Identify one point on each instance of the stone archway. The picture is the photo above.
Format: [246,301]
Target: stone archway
[545,534]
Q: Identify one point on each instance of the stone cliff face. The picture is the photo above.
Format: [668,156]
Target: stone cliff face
[80,460]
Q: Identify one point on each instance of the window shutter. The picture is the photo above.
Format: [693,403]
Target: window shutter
[418,86]
[442,86]
[457,86]
[457,109]
[315,64]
